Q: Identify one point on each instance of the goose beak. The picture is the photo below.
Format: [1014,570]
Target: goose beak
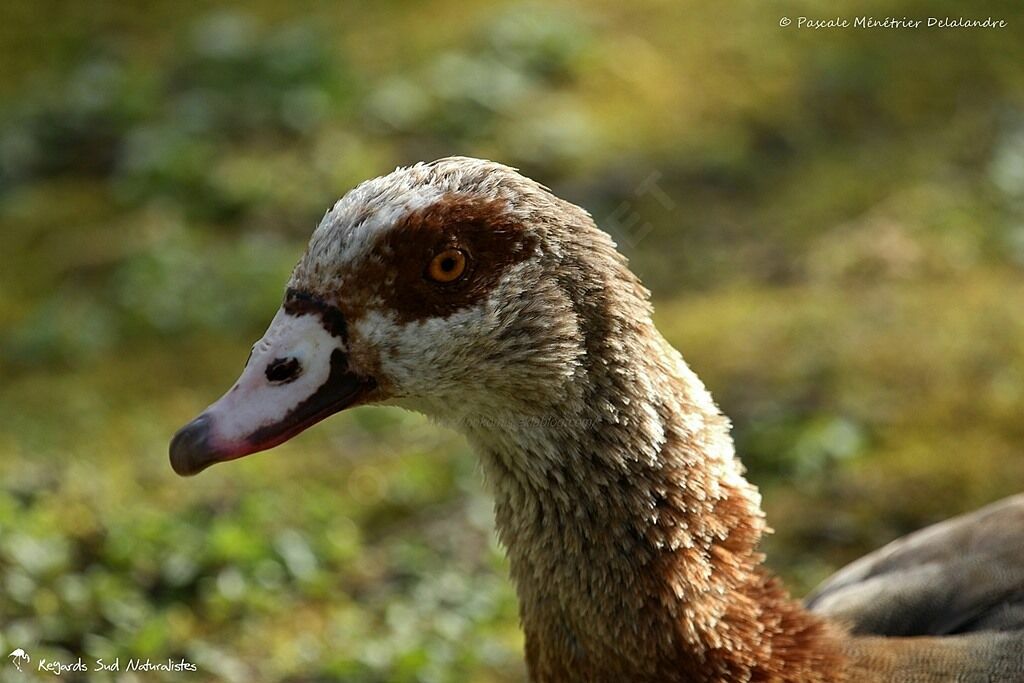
[297,375]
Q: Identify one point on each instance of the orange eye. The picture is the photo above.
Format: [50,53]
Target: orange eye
[447,266]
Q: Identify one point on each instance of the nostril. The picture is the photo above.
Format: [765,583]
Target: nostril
[283,370]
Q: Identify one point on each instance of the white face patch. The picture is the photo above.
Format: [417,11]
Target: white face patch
[287,366]
[476,363]
[426,358]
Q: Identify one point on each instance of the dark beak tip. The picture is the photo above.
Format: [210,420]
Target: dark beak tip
[190,450]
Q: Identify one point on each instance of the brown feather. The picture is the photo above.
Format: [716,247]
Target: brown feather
[631,531]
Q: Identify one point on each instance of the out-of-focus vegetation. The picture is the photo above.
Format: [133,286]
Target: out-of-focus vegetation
[832,223]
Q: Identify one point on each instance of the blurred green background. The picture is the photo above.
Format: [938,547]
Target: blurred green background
[832,223]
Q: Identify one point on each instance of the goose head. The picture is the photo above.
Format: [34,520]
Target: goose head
[457,288]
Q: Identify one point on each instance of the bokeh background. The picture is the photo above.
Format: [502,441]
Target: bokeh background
[832,223]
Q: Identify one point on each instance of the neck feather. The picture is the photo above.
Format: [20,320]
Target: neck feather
[632,534]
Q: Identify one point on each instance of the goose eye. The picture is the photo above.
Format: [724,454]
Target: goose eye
[447,266]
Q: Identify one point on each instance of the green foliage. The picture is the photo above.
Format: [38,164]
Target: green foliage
[832,224]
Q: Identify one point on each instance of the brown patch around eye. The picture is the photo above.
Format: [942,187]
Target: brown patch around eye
[418,272]
[396,276]
[447,266]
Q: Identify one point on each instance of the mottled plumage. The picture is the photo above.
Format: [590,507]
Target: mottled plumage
[631,530]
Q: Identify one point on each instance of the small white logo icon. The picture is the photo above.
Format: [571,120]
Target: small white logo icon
[19,656]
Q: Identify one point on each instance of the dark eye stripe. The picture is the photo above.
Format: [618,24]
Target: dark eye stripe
[297,302]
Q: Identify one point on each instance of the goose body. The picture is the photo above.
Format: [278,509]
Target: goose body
[468,292]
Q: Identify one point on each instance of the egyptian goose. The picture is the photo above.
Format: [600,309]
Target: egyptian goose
[465,291]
